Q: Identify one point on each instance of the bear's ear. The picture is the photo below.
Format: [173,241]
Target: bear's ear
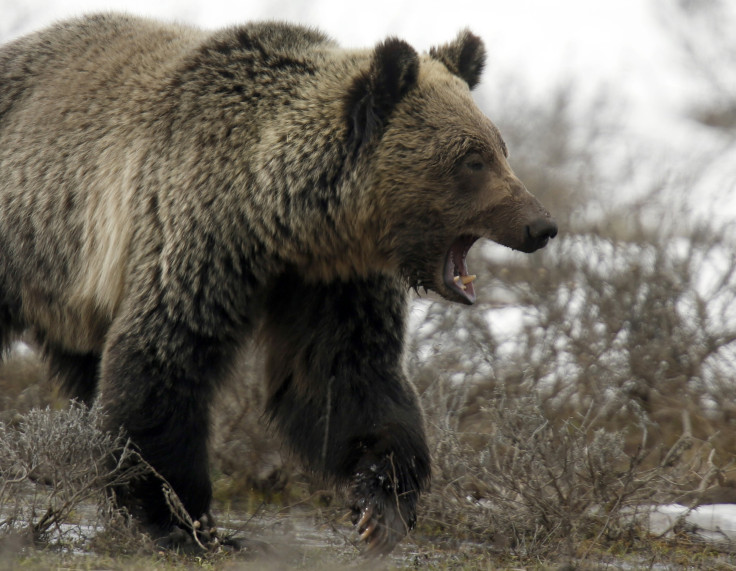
[375,92]
[465,57]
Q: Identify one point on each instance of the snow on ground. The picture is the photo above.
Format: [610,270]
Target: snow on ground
[716,522]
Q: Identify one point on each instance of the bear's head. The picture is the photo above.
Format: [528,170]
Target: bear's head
[440,179]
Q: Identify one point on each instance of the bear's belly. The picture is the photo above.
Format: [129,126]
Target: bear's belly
[76,328]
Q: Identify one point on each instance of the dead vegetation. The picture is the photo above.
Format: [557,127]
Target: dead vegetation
[52,464]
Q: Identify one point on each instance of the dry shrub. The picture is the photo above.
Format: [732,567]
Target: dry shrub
[650,321]
[541,486]
[54,465]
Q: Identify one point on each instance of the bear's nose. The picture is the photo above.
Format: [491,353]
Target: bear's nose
[539,232]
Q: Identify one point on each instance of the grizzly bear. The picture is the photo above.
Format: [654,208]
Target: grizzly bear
[167,193]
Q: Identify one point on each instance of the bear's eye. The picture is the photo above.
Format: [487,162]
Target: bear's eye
[474,162]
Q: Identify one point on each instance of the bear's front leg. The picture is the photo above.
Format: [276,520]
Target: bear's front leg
[339,394]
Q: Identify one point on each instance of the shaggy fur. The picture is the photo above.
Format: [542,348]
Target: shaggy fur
[167,192]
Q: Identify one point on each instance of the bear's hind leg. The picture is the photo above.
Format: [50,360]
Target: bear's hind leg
[11,325]
[77,373]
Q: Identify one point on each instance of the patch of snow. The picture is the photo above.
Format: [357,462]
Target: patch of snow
[715,522]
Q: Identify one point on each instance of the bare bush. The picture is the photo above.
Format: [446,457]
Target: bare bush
[53,463]
[541,485]
[652,321]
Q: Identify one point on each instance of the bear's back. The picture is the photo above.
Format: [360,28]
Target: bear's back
[88,56]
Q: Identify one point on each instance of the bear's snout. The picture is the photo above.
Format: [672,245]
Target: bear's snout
[539,232]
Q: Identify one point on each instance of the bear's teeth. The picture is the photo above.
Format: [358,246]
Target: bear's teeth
[465,279]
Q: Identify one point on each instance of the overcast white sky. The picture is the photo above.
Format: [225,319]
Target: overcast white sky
[543,40]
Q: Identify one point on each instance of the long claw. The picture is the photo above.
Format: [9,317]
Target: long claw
[364,518]
[370,528]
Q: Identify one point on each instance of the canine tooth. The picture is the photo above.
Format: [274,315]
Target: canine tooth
[456,279]
[467,279]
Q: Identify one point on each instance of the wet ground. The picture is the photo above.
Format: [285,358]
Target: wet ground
[271,538]
[308,537]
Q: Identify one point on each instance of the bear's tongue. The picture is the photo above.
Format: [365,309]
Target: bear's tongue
[456,276]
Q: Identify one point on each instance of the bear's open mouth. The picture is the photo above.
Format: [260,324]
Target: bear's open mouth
[456,276]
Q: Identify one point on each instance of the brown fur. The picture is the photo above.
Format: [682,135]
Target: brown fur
[164,190]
